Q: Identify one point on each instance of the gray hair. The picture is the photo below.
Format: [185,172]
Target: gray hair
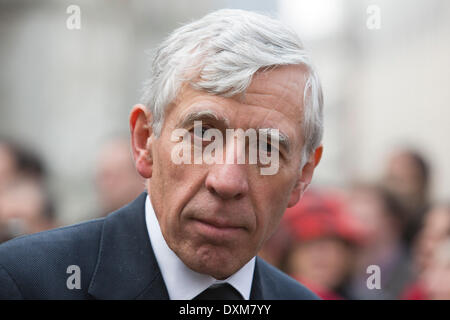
[220,53]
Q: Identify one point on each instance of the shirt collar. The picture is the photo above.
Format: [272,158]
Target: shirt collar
[181,282]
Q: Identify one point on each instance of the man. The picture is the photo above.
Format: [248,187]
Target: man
[197,232]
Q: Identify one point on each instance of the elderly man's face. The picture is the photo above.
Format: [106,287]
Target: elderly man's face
[215,217]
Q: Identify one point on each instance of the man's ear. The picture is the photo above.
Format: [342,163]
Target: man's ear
[141,140]
[305,176]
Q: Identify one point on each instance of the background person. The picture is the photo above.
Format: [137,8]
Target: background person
[325,238]
[437,275]
[383,220]
[25,203]
[26,208]
[407,177]
[435,229]
[116,180]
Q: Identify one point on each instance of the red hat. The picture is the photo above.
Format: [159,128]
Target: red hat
[320,215]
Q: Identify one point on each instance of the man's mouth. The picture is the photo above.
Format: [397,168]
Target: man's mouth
[217,229]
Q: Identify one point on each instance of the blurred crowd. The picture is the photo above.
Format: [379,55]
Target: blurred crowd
[26,203]
[332,239]
[328,241]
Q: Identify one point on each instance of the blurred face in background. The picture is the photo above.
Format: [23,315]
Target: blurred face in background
[368,208]
[117,181]
[323,262]
[406,179]
[216,217]
[437,276]
[22,208]
[435,229]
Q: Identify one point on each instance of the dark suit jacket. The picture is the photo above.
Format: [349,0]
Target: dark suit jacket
[116,261]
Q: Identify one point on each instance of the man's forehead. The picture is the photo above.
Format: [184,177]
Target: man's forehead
[280,88]
[282,84]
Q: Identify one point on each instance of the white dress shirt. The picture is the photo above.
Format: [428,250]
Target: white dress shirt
[181,282]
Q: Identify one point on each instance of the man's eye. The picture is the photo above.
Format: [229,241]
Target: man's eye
[266,147]
[199,131]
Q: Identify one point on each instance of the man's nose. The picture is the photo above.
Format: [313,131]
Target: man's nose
[227,181]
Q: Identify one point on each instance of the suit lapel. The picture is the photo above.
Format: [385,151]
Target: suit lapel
[257,292]
[266,284]
[126,265]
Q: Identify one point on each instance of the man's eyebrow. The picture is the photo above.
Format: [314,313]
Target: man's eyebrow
[203,115]
[283,139]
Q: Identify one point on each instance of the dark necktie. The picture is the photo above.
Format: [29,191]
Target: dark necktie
[223,291]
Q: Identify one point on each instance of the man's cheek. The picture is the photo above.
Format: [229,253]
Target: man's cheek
[275,210]
[173,173]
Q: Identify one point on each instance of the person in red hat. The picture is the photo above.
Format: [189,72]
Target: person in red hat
[324,241]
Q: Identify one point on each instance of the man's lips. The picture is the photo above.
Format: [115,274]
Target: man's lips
[219,223]
[218,229]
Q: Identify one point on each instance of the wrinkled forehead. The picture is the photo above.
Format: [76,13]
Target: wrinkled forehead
[279,88]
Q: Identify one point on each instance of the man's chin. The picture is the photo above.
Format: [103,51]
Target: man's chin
[220,264]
